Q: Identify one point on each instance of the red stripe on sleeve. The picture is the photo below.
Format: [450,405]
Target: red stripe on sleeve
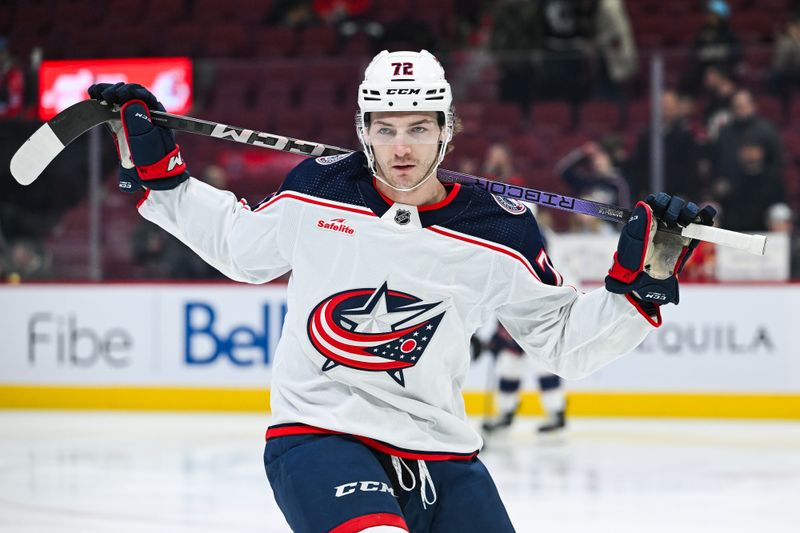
[653,322]
[143,198]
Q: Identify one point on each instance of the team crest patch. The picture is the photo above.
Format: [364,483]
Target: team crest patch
[374,330]
[331,159]
[509,204]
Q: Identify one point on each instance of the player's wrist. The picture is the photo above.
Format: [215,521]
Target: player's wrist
[647,289]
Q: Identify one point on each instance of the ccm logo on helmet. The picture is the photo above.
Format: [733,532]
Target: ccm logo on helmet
[402,91]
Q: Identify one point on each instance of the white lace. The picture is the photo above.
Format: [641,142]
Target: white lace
[425,480]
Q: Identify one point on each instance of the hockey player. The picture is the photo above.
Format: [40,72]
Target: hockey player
[391,272]
[511,366]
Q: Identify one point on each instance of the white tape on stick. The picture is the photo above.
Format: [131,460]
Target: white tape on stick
[754,244]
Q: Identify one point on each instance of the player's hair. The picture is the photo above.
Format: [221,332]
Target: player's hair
[458,127]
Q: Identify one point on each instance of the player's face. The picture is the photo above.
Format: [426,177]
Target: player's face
[405,144]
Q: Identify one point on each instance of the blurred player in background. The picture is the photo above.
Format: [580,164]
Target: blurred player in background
[392,271]
[511,367]
[510,362]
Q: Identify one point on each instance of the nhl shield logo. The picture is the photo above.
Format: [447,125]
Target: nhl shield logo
[374,330]
[402,217]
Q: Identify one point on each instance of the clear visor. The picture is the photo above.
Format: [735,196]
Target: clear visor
[427,132]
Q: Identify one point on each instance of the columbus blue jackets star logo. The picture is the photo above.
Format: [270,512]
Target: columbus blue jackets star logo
[378,330]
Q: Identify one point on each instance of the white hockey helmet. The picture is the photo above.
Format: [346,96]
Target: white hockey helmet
[405,81]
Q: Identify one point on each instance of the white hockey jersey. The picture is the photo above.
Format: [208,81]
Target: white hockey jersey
[383,298]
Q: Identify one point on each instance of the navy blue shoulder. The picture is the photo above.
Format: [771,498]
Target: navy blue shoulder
[330,177]
[510,223]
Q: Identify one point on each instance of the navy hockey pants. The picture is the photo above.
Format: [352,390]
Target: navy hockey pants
[335,483]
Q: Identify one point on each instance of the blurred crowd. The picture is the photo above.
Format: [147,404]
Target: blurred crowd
[725,120]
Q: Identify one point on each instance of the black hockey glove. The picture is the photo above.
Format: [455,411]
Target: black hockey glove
[648,261]
[149,157]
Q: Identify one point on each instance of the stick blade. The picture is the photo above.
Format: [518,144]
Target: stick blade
[51,138]
[33,157]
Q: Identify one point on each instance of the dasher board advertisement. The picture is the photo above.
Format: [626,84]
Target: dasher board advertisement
[721,338]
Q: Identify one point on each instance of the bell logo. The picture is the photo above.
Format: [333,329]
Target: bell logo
[206,342]
[175,161]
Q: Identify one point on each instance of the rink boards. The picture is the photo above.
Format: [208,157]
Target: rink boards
[726,351]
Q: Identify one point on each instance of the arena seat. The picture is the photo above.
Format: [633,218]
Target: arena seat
[225,40]
[317,41]
[600,114]
[551,117]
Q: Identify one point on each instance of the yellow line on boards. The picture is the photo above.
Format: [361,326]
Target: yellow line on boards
[138,398]
[716,405]
[627,404]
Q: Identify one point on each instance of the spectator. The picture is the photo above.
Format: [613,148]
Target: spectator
[589,171]
[468,165]
[614,42]
[499,164]
[703,267]
[780,219]
[159,255]
[720,89]
[746,124]
[681,152]
[568,30]
[147,250]
[407,33]
[614,146]
[162,256]
[716,45]
[349,17]
[589,224]
[296,14]
[27,260]
[337,11]
[752,189]
[516,38]
[785,75]
[12,84]
[473,23]
[215,176]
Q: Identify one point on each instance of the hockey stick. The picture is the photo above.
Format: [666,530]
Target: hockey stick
[48,141]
